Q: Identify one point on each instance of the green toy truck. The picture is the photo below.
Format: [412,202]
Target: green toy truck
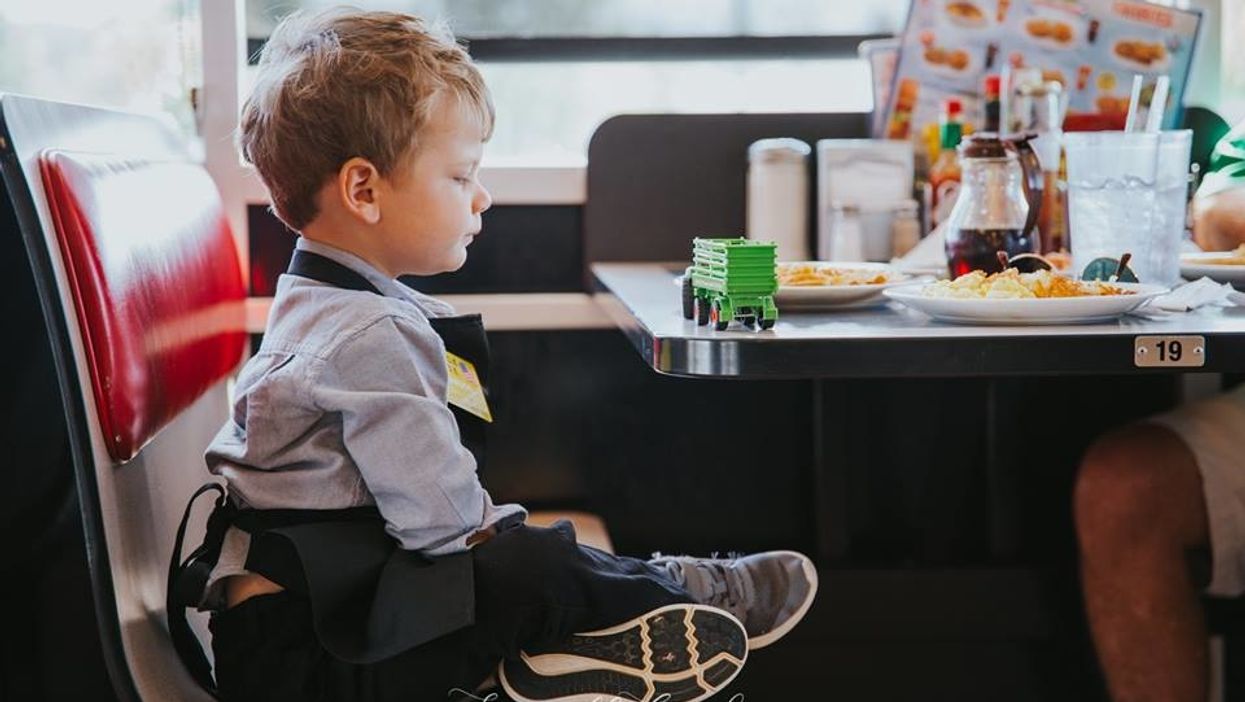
[731,279]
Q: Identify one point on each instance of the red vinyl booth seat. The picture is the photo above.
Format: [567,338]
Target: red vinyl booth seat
[156,284]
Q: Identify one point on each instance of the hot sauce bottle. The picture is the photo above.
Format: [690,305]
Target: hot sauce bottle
[991,87]
[944,175]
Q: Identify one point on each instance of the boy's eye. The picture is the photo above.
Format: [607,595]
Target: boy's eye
[462,180]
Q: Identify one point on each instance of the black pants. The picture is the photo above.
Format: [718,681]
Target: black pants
[533,586]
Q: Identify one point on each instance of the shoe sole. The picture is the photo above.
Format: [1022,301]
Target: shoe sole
[810,573]
[679,653]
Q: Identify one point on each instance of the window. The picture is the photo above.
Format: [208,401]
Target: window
[138,55]
[1233,107]
[558,68]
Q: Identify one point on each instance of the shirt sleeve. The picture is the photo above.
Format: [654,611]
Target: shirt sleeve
[387,382]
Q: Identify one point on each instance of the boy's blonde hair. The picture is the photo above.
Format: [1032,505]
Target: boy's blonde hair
[345,83]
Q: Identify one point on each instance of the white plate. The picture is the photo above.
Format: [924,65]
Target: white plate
[1028,311]
[807,297]
[1192,266]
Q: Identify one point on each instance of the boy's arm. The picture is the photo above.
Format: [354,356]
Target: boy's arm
[387,383]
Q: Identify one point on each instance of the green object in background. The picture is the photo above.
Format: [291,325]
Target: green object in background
[1208,128]
[731,279]
[1227,164]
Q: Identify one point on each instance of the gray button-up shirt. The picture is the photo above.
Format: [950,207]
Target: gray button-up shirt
[344,405]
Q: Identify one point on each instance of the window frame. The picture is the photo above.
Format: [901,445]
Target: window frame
[646,48]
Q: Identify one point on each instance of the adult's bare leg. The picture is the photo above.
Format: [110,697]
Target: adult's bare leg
[1139,510]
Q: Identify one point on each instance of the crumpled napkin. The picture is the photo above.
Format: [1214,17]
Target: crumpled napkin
[1202,292]
[929,254]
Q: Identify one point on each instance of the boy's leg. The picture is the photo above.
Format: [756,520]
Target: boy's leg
[537,586]
[534,587]
[574,623]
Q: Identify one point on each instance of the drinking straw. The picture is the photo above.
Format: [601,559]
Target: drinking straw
[1158,104]
[1134,103]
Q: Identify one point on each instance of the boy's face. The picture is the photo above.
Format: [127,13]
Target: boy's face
[433,201]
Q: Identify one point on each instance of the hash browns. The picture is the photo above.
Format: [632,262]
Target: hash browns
[814,275]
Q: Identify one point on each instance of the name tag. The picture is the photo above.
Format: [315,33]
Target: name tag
[465,390]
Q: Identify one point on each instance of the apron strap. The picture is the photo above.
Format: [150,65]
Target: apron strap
[307,264]
[186,577]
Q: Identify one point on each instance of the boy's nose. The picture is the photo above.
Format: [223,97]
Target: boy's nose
[482,200]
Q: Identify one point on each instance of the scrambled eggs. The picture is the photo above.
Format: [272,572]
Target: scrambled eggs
[1011,284]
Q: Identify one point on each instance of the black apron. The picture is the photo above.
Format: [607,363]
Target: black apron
[370,599]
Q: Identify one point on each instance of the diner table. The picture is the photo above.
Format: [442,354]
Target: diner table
[891,343]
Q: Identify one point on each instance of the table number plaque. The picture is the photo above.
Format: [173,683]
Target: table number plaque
[1169,351]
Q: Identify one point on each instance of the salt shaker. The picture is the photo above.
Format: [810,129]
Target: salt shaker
[777,204]
[846,237]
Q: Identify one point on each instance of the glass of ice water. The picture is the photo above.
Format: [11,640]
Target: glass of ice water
[1127,192]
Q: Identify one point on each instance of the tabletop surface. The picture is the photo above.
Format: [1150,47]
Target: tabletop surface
[890,340]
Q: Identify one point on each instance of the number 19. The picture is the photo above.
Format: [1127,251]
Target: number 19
[1170,350]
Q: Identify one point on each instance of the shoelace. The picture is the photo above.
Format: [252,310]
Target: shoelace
[727,589]
[725,596]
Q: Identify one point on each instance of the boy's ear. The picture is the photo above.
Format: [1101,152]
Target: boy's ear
[358,187]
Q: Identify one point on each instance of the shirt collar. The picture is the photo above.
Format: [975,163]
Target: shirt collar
[389,287]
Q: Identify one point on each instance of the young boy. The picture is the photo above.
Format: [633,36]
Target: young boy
[358,556]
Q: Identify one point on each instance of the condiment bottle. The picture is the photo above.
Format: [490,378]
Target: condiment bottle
[944,175]
[905,229]
[991,102]
[997,208]
[1044,118]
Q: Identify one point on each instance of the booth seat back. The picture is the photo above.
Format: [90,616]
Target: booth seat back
[656,181]
[143,295]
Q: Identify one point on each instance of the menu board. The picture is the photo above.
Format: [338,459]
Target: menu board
[1092,47]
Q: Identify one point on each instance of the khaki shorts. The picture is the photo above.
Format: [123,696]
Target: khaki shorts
[1214,431]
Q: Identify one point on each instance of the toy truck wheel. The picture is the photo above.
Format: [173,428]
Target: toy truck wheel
[702,311]
[749,320]
[767,323]
[715,316]
[689,298]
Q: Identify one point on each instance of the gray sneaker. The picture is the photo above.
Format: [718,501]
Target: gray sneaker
[768,592]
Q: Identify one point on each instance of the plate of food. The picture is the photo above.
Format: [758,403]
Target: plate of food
[1142,55]
[1051,32]
[822,284]
[1011,297]
[966,14]
[1220,266]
